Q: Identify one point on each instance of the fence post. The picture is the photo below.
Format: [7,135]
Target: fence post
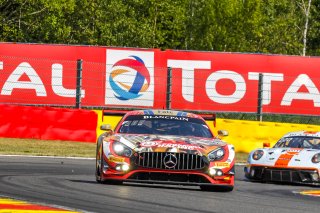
[79,83]
[260,94]
[169,88]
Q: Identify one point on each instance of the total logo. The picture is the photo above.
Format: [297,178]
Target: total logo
[129,90]
[130,77]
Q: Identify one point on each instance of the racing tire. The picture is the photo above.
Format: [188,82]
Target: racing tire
[98,168]
[216,188]
[99,179]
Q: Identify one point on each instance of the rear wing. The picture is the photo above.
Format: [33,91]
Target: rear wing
[107,112]
[209,117]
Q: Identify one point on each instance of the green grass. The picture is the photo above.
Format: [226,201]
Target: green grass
[15,146]
[241,157]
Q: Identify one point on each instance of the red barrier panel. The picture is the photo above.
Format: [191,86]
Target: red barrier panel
[47,123]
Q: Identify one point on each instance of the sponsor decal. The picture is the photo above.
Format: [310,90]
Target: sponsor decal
[170,145]
[129,79]
[115,159]
[286,157]
[165,117]
[221,164]
[294,151]
[149,144]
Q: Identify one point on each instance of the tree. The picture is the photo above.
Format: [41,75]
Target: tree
[35,21]
[276,27]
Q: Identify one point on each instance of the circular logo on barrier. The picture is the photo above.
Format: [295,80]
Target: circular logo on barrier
[129,78]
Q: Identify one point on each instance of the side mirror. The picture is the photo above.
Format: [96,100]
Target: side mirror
[223,133]
[266,145]
[106,127]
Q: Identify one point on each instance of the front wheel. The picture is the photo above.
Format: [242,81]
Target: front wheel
[99,167]
[99,164]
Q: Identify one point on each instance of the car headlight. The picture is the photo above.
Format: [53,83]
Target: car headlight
[316,158]
[216,154]
[121,149]
[257,154]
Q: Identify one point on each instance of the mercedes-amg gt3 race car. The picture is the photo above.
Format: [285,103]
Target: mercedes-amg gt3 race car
[295,158]
[165,147]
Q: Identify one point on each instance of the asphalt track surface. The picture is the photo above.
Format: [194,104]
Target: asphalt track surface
[71,183]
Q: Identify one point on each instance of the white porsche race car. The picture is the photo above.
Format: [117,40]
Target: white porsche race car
[295,158]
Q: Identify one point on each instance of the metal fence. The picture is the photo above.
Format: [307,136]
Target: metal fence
[89,85]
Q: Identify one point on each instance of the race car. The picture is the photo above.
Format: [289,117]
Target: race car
[165,147]
[295,158]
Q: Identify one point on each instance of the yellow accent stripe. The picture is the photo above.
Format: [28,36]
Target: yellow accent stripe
[311,192]
[10,201]
[7,201]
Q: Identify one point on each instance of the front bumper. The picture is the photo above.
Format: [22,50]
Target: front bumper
[150,168]
[194,178]
[286,175]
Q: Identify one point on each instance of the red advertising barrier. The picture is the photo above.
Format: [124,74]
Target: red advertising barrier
[47,74]
[128,77]
[229,82]
[47,123]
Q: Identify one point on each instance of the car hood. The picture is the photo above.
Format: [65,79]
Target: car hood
[277,152]
[161,143]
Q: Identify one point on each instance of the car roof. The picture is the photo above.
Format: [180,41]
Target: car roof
[164,112]
[303,133]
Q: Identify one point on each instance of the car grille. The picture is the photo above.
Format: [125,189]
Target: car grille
[285,175]
[170,161]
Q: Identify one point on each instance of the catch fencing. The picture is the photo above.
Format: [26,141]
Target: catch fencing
[233,85]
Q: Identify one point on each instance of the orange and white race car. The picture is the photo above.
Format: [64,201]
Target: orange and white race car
[295,158]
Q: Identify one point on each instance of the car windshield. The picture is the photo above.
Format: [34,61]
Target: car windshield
[165,125]
[299,142]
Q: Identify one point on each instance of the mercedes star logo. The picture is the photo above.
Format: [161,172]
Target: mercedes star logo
[170,161]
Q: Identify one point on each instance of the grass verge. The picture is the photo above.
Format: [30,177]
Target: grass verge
[15,146]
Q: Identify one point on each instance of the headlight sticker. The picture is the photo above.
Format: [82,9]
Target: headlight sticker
[221,165]
[115,159]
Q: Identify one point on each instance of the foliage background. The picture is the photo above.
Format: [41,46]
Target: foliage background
[256,26]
